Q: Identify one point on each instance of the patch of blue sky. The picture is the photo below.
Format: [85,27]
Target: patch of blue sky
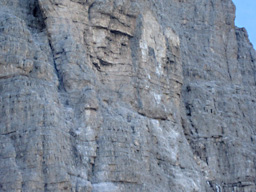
[246,17]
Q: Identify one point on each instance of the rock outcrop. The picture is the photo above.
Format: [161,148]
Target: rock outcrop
[126,96]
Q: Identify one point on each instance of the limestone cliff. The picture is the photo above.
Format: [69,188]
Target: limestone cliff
[126,96]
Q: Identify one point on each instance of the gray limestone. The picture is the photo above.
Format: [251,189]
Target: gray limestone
[126,96]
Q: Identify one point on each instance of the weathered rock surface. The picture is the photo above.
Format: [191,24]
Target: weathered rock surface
[126,95]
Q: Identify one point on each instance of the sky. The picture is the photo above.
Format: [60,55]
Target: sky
[246,17]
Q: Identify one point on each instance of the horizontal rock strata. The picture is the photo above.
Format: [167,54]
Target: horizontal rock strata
[126,96]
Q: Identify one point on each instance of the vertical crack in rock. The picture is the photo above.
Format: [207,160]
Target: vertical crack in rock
[44,165]
[38,23]
[59,76]
[227,59]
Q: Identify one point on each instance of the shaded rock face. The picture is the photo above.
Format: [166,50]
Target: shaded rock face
[126,95]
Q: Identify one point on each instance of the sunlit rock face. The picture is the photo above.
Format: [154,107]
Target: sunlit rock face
[126,96]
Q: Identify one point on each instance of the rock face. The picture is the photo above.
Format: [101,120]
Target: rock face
[126,96]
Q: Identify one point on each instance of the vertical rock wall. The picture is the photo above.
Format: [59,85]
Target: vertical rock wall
[125,95]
